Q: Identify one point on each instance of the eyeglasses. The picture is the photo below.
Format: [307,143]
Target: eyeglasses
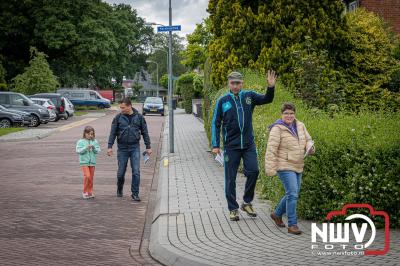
[288,113]
[235,82]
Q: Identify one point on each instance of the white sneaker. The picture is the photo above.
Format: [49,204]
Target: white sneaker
[85,196]
[91,195]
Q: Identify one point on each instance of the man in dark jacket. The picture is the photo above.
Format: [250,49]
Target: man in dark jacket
[127,127]
[233,111]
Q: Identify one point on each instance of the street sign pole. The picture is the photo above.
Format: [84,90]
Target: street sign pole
[170,92]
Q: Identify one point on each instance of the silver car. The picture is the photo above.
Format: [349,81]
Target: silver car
[49,105]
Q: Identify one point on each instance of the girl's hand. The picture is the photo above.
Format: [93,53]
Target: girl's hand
[90,147]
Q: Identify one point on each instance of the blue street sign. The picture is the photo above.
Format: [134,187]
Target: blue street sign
[168,28]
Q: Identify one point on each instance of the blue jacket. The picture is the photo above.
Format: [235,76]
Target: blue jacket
[128,134]
[234,114]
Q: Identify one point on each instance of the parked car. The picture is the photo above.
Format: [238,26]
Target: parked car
[69,107]
[81,97]
[10,118]
[107,94]
[56,98]
[49,105]
[18,101]
[153,105]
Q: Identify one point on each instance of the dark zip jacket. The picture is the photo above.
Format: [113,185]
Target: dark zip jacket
[128,133]
[234,114]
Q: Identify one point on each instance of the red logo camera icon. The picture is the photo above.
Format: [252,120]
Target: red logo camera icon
[372,212]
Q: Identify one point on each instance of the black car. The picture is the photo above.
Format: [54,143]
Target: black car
[26,117]
[18,101]
[58,101]
[153,105]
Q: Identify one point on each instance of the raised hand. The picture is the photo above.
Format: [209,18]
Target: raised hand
[271,78]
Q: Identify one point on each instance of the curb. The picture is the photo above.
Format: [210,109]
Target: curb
[160,247]
[37,137]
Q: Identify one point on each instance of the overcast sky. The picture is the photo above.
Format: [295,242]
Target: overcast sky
[184,12]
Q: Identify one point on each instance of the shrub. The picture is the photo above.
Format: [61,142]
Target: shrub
[189,85]
[357,159]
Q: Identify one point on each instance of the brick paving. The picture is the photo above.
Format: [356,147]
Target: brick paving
[44,221]
[191,225]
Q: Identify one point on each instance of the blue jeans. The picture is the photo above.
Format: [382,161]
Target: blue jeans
[125,153]
[231,165]
[291,182]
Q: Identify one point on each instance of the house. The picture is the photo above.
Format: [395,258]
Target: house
[389,10]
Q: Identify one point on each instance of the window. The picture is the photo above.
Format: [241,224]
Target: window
[77,95]
[15,99]
[4,99]
[353,5]
[92,96]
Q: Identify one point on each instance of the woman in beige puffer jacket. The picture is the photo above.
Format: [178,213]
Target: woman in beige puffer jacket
[287,143]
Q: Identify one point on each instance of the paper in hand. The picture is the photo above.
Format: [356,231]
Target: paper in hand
[220,158]
[309,149]
[146,157]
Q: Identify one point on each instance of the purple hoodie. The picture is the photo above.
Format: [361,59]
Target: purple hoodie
[292,128]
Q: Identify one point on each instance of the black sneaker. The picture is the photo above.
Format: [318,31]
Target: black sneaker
[135,197]
[119,193]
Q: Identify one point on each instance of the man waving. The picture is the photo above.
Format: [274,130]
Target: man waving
[233,111]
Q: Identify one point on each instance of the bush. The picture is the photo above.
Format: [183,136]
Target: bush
[189,85]
[357,159]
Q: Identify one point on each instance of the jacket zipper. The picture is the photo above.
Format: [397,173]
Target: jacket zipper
[237,112]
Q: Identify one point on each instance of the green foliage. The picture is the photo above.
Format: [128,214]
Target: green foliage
[189,85]
[159,54]
[264,34]
[314,79]
[2,73]
[88,42]
[38,77]
[357,159]
[164,81]
[195,54]
[372,64]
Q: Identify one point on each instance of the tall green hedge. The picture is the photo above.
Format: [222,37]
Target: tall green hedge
[357,159]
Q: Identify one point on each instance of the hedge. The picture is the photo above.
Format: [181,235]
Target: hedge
[357,159]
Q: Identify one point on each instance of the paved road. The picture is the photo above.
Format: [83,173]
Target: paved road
[192,227]
[44,221]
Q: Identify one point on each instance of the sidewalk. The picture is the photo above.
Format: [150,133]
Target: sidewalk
[191,224]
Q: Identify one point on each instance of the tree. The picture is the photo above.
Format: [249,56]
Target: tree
[263,34]
[87,41]
[196,54]
[159,48]
[38,77]
[164,81]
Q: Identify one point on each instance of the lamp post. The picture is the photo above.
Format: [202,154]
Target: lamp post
[151,61]
[170,92]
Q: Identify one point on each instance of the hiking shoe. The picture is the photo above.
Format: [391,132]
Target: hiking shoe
[234,215]
[135,197]
[294,230]
[278,220]
[248,208]
[85,195]
[119,193]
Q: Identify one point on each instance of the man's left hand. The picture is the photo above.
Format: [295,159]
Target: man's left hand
[271,78]
[148,151]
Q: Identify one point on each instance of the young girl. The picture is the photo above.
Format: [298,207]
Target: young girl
[88,148]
